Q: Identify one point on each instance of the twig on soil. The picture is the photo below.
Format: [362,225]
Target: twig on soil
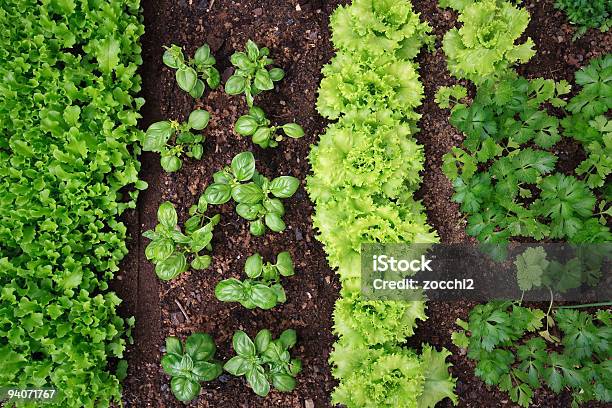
[212,3]
[182,310]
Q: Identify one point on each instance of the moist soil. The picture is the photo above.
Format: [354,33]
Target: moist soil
[297,33]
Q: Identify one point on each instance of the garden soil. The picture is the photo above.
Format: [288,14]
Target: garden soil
[297,33]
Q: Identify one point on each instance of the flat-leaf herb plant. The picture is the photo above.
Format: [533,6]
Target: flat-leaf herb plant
[172,138]
[498,337]
[262,289]
[251,76]
[256,125]
[587,14]
[190,364]
[170,248]
[191,74]
[251,191]
[265,361]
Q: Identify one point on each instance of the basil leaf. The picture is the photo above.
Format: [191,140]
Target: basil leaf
[193,223]
[206,371]
[198,119]
[186,78]
[222,177]
[293,130]
[295,367]
[258,114]
[243,344]
[253,266]
[240,60]
[248,211]
[184,389]
[235,85]
[284,264]
[252,50]
[262,340]
[279,291]
[170,59]
[243,166]
[198,89]
[171,163]
[263,297]
[275,222]
[159,249]
[202,54]
[237,366]
[247,193]
[284,186]
[214,78]
[173,345]
[156,136]
[257,380]
[288,338]
[218,193]
[246,125]
[276,74]
[166,215]
[201,262]
[200,346]
[171,363]
[263,81]
[274,205]
[171,267]
[257,228]
[283,382]
[229,290]
[262,136]
[197,150]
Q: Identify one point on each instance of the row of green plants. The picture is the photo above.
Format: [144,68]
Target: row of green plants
[264,362]
[68,150]
[365,170]
[509,184]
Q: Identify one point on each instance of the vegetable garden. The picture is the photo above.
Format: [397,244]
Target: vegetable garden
[186,186]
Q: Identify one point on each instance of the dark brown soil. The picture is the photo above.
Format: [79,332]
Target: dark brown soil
[298,37]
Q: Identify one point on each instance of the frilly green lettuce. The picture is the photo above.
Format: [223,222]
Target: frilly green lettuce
[485,44]
[379,27]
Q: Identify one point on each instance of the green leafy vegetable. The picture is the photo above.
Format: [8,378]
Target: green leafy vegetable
[265,362]
[172,139]
[485,45]
[170,247]
[192,75]
[256,125]
[262,289]
[251,75]
[251,191]
[190,364]
[587,14]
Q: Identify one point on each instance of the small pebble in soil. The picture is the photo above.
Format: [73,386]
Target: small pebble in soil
[298,234]
[308,403]
[224,378]
[258,12]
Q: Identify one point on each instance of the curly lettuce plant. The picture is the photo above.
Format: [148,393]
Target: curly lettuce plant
[485,45]
[365,170]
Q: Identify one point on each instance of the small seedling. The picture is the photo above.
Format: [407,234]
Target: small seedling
[251,76]
[172,139]
[262,289]
[256,124]
[190,75]
[169,247]
[190,365]
[252,197]
[265,361]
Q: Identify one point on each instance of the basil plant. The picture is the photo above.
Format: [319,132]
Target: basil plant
[262,289]
[251,76]
[170,248]
[191,75]
[256,125]
[191,364]
[257,197]
[265,361]
[172,139]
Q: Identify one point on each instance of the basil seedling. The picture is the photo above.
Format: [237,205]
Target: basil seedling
[252,197]
[169,247]
[190,365]
[251,76]
[190,75]
[262,289]
[172,139]
[256,124]
[265,361]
